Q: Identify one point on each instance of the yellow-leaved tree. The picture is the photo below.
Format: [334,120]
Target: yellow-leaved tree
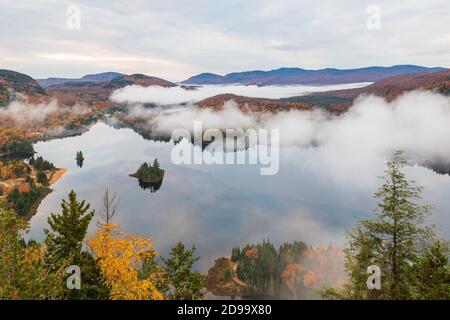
[120,257]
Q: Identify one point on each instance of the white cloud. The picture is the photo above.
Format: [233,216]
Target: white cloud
[26,114]
[220,36]
[22,113]
[416,122]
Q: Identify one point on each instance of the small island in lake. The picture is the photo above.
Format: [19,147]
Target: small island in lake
[80,159]
[150,175]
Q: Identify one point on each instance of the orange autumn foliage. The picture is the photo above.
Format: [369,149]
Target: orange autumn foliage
[292,275]
[13,169]
[120,256]
[319,267]
[251,252]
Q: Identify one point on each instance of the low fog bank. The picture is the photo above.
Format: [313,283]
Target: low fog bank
[417,122]
[22,113]
[176,95]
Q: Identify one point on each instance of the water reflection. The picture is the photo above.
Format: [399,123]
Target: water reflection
[317,195]
[80,159]
[152,186]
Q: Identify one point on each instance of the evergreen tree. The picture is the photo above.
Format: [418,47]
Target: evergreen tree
[432,273]
[64,243]
[156,164]
[23,272]
[235,254]
[393,240]
[42,178]
[68,229]
[185,283]
[80,159]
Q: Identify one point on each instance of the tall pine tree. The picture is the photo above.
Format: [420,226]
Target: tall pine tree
[68,229]
[393,240]
[64,242]
[185,284]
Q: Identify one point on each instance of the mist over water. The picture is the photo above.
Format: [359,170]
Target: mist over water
[177,95]
[328,172]
[312,198]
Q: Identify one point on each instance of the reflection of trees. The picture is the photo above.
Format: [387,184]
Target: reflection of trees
[438,166]
[152,186]
[80,162]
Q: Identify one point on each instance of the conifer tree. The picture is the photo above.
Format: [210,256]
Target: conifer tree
[67,230]
[186,284]
[156,164]
[432,273]
[394,240]
[64,242]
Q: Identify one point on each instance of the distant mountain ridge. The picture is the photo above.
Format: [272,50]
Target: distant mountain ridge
[340,100]
[389,88]
[96,77]
[298,76]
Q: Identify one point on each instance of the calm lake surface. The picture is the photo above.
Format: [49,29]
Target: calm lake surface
[315,197]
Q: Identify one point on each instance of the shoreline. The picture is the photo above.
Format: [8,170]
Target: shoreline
[55,176]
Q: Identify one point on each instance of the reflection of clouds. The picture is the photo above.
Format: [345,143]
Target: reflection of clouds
[317,195]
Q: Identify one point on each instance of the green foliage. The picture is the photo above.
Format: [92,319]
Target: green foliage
[258,267]
[64,242]
[68,229]
[235,254]
[23,201]
[397,242]
[23,272]
[42,178]
[185,284]
[320,101]
[261,265]
[42,165]
[150,172]
[17,147]
[432,273]
[228,274]
[79,158]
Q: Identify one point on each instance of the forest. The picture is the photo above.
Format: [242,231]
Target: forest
[23,185]
[413,261]
[150,173]
[116,264]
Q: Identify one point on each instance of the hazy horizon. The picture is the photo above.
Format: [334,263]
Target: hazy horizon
[175,39]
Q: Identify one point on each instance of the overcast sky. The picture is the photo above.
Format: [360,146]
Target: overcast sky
[175,39]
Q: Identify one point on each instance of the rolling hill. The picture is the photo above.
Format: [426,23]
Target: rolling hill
[15,85]
[340,100]
[298,76]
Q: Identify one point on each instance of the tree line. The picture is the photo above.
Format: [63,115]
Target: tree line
[113,264]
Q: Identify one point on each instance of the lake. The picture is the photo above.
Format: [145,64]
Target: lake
[315,197]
